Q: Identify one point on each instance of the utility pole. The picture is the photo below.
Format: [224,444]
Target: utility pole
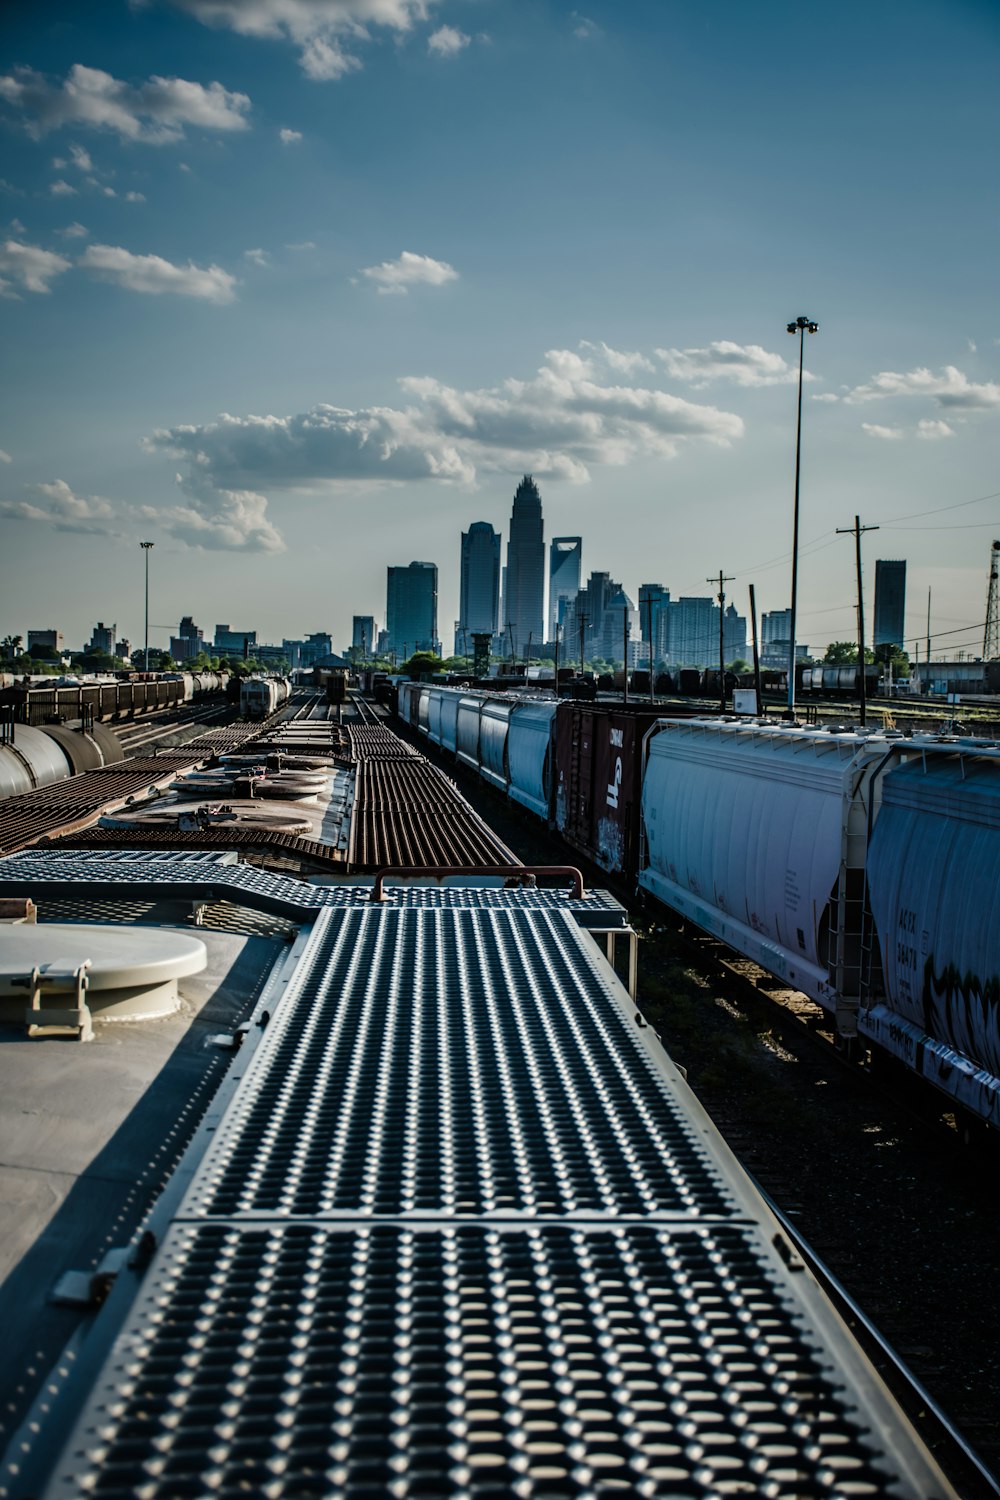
[991,635]
[722,580]
[147,547]
[858,531]
[555,669]
[583,630]
[649,621]
[927,657]
[756,654]
[510,632]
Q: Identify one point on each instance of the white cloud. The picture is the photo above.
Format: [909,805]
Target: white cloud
[888,434]
[228,521]
[60,189]
[80,158]
[933,430]
[57,506]
[557,424]
[397,276]
[951,389]
[447,41]
[156,111]
[302,245]
[257,257]
[134,197]
[154,275]
[584,27]
[5,457]
[745,364]
[289,137]
[29,267]
[321,29]
[75,231]
[621,362]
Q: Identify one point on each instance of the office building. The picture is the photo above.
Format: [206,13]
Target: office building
[188,642]
[102,639]
[45,640]
[363,637]
[890,602]
[229,642]
[524,599]
[692,632]
[652,619]
[479,585]
[565,563]
[411,608]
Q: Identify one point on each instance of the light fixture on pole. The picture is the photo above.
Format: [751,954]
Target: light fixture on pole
[147,548]
[801,326]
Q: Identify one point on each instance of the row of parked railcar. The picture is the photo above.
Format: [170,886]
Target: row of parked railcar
[862,869]
[49,702]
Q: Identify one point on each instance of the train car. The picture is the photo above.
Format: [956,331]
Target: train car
[494,724]
[260,697]
[37,756]
[598,771]
[934,893]
[530,755]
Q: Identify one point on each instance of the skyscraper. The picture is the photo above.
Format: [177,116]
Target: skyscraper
[363,636]
[411,608]
[565,559]
[524,598]
[890,602]
[479,585]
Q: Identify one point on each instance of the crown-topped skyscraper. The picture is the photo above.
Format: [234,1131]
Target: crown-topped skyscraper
[524,599]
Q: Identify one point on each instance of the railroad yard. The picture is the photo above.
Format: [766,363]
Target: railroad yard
[864,1172]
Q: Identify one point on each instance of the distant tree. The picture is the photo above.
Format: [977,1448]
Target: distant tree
[888,653]
[739,666]
[456,664]
[420,663]
[845,654]
[11,646]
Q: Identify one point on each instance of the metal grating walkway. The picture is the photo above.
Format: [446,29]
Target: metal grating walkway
[453,1062]
[209,875]
[462,1231]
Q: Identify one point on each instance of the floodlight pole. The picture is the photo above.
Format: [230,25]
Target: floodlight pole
[801,326]
[147,547]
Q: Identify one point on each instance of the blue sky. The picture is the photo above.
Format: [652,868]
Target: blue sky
[299,288]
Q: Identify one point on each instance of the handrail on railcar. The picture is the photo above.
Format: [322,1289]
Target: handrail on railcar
[524,875]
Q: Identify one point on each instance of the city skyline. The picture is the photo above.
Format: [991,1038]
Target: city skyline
[273,293]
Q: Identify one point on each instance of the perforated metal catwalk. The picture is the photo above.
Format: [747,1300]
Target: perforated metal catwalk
[208,875]
[462,1230]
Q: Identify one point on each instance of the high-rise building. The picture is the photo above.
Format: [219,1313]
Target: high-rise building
[479,585]
[188,641]
[411,608]
[652,619]
[45,640]
[890,602]
[617,622]
[524,598]
[363,636]
[565,561]
[692,632]
[102,638]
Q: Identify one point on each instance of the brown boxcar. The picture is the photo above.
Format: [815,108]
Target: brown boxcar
[598,781]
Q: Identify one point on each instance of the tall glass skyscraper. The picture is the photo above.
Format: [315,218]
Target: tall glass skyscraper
[479,585]
[565,560]
[524,598]
[890,602]
[411,608]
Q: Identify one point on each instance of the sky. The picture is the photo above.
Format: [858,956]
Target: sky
[298,289]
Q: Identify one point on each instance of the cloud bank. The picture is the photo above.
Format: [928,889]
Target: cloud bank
[155,112]
[744,364]
[28,267]
[951,389]
[565,420]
